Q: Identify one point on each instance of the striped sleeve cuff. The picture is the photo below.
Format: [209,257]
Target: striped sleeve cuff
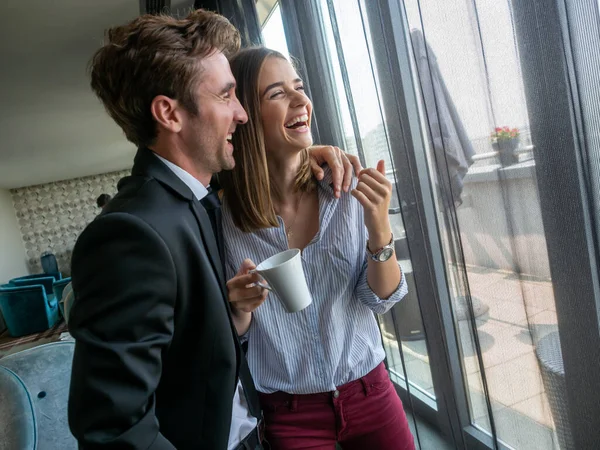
[375,303]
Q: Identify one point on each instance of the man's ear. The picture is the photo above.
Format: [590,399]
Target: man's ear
[167,113]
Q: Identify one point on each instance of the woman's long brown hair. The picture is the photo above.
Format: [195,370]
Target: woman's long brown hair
[247,188]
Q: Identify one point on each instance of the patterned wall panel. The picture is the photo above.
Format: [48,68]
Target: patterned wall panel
[51,216]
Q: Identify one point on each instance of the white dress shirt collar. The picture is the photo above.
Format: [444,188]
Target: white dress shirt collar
[197,188]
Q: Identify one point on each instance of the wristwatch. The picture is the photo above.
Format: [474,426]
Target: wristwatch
[384,253]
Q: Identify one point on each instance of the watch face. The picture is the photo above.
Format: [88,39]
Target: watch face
[386,254]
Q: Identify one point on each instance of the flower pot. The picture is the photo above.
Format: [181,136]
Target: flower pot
[506,149]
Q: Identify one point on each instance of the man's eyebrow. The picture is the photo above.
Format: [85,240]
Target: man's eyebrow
[227,88]
[278,84]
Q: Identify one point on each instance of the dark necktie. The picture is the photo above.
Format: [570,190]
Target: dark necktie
[212,204]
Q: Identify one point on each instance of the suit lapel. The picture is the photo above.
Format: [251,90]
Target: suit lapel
[147,164]
[210,242]
[220,237]
[242,370]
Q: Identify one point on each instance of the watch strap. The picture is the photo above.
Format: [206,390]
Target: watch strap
[374,255]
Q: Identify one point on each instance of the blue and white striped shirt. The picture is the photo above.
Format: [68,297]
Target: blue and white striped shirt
[334,340]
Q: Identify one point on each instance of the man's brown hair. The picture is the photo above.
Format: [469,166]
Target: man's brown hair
[156,55]
[247,188]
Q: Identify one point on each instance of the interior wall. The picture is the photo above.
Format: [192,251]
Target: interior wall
[51,216]
[12,253]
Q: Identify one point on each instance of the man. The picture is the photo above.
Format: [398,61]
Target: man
[157,362]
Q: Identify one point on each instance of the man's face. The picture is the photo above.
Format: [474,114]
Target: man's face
[208,134]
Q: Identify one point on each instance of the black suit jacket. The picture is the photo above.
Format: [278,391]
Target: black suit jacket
[156,357]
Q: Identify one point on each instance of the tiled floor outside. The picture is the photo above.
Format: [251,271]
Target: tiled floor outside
[520,312]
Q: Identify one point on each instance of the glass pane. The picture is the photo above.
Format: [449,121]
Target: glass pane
[273,32]
[365,134]
[468,77]
[264,8]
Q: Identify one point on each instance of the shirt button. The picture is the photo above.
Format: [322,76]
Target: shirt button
[336,393]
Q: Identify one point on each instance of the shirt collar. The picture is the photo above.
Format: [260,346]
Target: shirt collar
[197,188]
[327,181]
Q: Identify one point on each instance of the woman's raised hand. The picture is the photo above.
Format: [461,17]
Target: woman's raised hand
[374,192]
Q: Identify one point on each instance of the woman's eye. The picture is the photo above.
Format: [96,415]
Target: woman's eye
[300,88]
[276,94]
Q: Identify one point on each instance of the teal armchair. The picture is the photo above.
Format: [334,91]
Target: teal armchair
[27,309]
[47,282]
[55,275]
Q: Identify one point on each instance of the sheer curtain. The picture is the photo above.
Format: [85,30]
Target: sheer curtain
[466,68]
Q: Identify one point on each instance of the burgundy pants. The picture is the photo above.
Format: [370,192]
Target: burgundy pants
[363,414]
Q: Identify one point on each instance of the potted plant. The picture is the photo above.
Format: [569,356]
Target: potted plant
[505,141]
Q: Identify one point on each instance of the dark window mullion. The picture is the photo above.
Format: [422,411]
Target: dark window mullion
[391,49]
[302,21]
[346,81]
[241,13]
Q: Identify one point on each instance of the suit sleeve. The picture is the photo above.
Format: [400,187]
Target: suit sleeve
[122,321]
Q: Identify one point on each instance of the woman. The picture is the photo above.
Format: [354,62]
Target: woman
[319,371]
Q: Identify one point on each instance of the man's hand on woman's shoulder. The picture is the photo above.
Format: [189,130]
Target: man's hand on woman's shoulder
[340,163]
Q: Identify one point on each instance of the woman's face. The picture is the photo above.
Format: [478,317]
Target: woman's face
[284,107]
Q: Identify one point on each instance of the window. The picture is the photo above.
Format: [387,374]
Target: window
[467,73]
[273,32]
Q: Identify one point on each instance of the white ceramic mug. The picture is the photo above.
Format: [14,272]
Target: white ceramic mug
[285,276]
